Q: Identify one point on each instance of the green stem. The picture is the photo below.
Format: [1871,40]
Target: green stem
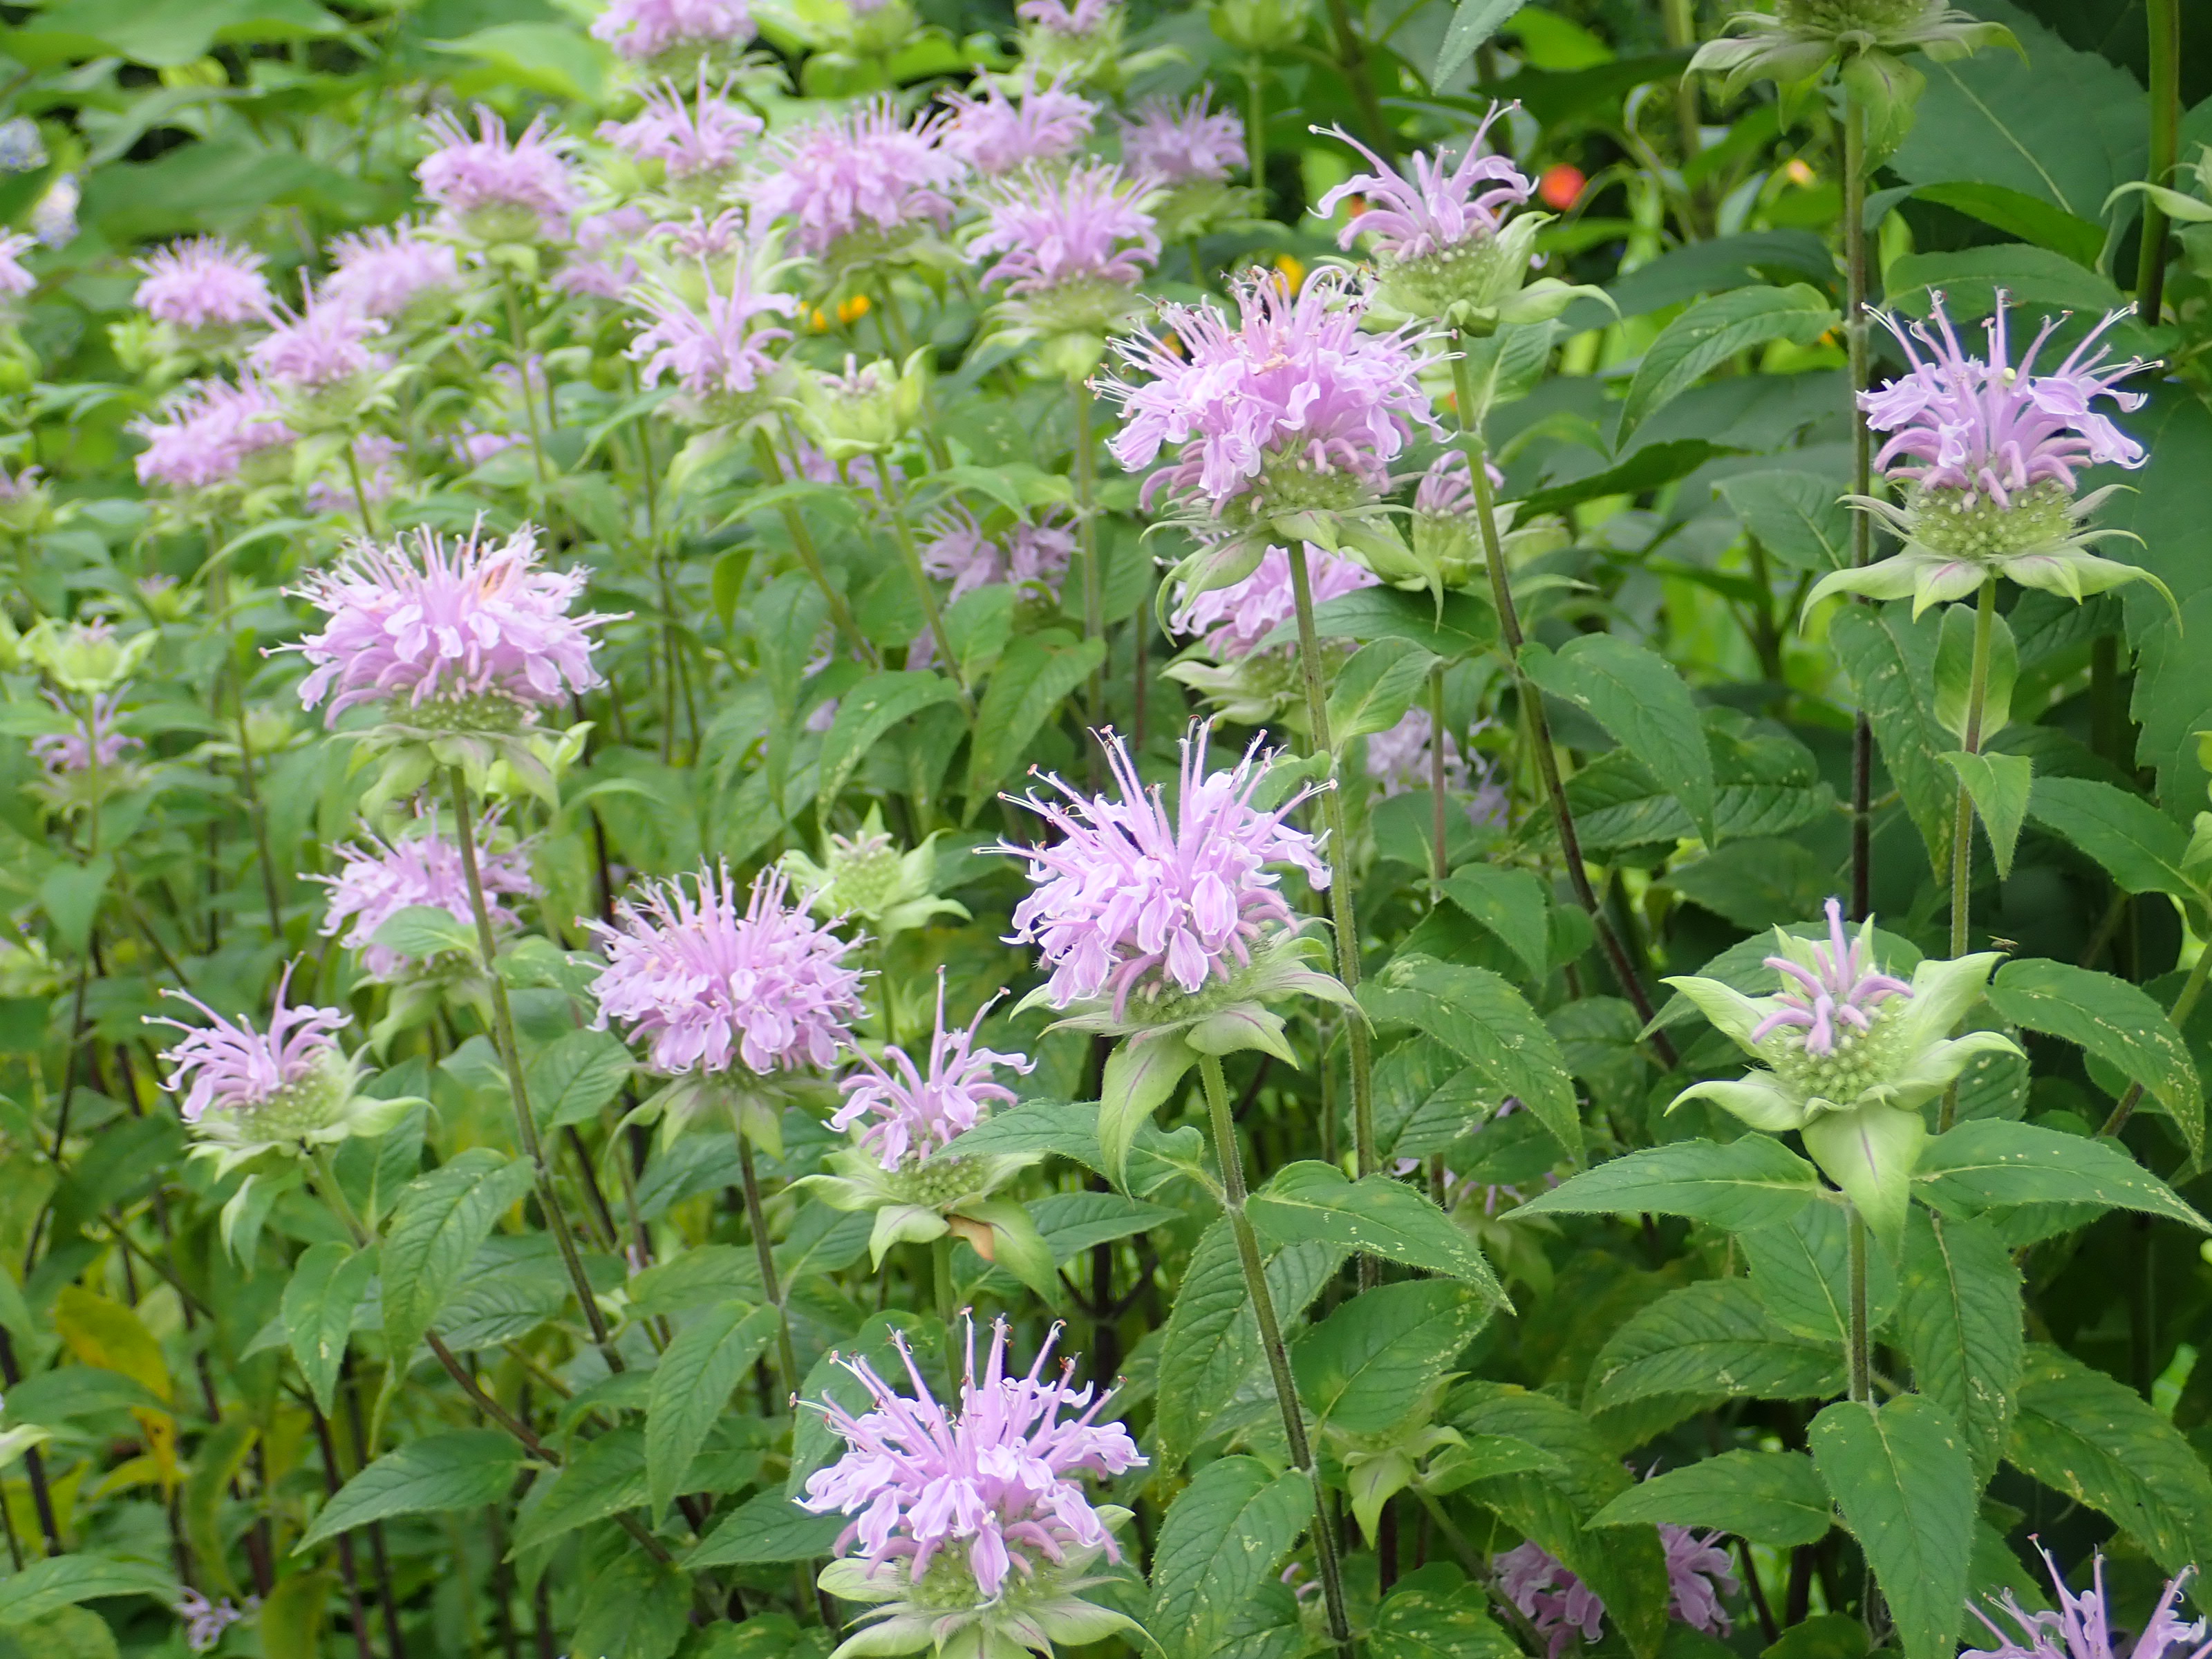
[894,498]
[948,1303]
[1339,890]
[1860,1355]
[1539,726]
[1094,579]
[2164,19]
[1855,327]
[2183,1006]
[219,597]
[1256,130]
[756,1220]
[1962,817]
[802,541]
[522,345]
[1271,1339]
[360,489]
[1352,64]
[326,1165]
[1439,858]
[510,1057]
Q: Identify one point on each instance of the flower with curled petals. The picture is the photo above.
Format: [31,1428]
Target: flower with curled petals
[1988,454]
[319,361]
[715,351]
[859,187]
[1183,143]
[1848,1053]
[2082,1628]
[973,1530]
[496,189]
[203,285]
[673,36]
[1072,247]
[699,144]
[376,882]
[909,1116]
[210,435]
[1241,677]
[92,740]
[391,272]
[992,133]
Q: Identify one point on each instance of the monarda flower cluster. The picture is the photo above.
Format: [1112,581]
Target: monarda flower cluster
[675,37]
[993,134]
[203,287]
[391,272]
[497,190]
[1559,1607]
[699,144]
[1241,677]
[289,1088]
[865,875]
[729,991]
[1848,1055]
[214,435]
[973,1531]
[1188,150]
[2082,1626]
[857,188]
[420,871]
[1989,455]
[714,349]
[1071,249]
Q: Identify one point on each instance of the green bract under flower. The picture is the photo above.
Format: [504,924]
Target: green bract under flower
[1849,1055]
[1800,38]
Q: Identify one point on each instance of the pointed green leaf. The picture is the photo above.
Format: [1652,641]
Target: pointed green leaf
[1369,1364]
[1891,660]
[2141,848]
[1142,1075]
[767,1527]
[2112,1020]
[465,1469]
[1435,1613]
[1906,1489]
[1754,1182]
[1959,1321]
[1991,1163]
[1712,1340]
[1376,687]
[1318,1203]
[1713,330]
[1511,904]
[690,1387]
[1221,1543]
[326,1286]
[1801,1269]
[1998,786]
[575,1075]
[1799,516]
[605,1477]
[439,1222]
[1035,675]
[865,713]
[1774,1498]
[1473,23]
[46,1587]
[1479,1016]
[1641,700]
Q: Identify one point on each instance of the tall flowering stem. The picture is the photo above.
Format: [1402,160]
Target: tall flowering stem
[1271,1335]
[510,1057]
[256,814]
[802,540]
[1962,827]
[1094,581]
[887,480]
[1855,325]
[2164,22]
[1532,704]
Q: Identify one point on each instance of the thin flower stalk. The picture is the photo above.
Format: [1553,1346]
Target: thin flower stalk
[802,541]
[910,551]
[1856,323]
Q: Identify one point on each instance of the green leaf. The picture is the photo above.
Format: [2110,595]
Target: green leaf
[1369,1364]
[1959,1321]
[1473,23]
[2141,848]
[1713,330]
[1210,1346]
[544,57]
[1376,687]
[1319,1203]
[1997,784]
[1754,1182]
[1142,1074]
[1891,661]
[440,1220]
[63,1581]
[1435,1612]
[1479,1016]
[1765,783]
[1712,1340]
[2018,213]
[1467,628]
[1649,467]
[1801,1268]
[1223,1537]
[2098,1442]
[865,713]
[1774,1498]
[690,1387]
[463,1469]
[1903,1483]
[1991,1164]
[1035,675]
[290,1622]
[1072,1223]
[1968,279]
[605,1477]
[2114,1022]
[1642,703]
[1798,516]
[767,1527]
[1512,904]
[424,931]
[326,1286]
[574,1076]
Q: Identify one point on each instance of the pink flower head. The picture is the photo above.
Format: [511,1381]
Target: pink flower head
[321,347]
[1183,143]
[1294,383]
[1083,226]
[602,266]
[495,186]
[14,281]
[1447,487]
[205,1620]
[1237,618]
[2082,1628]
[992,133]
[1444,205]
[1131,897]
[385,877]
[867,172]
[212,428]
[227,1065]
[383,271]
[1560,1606]
[1073,18]
[641,30]
[994,1484]
[701,241]
[1837,990]
[711,986]
[473,448]
[1403,757]
[419,620]
[699,139]
[716,353]
[202,283]
[1030,556]
[1968,423]
[922,1112]
[89,743]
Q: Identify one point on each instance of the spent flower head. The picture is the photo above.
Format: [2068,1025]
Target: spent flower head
[203,285]
[1988,454]
[973,1528]
[866,874]
[496,189]
[712,979]
[1848,1053]
[1796,40]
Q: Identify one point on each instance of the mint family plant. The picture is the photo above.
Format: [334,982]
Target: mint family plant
[1222,831]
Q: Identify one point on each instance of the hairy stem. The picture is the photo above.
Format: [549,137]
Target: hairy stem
[520,343]
[1271,1339]
[2164,20]
[756,1222]
[2183,1006]
[1855,349]
[1860,1354]
[510,1057]
[802,542]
